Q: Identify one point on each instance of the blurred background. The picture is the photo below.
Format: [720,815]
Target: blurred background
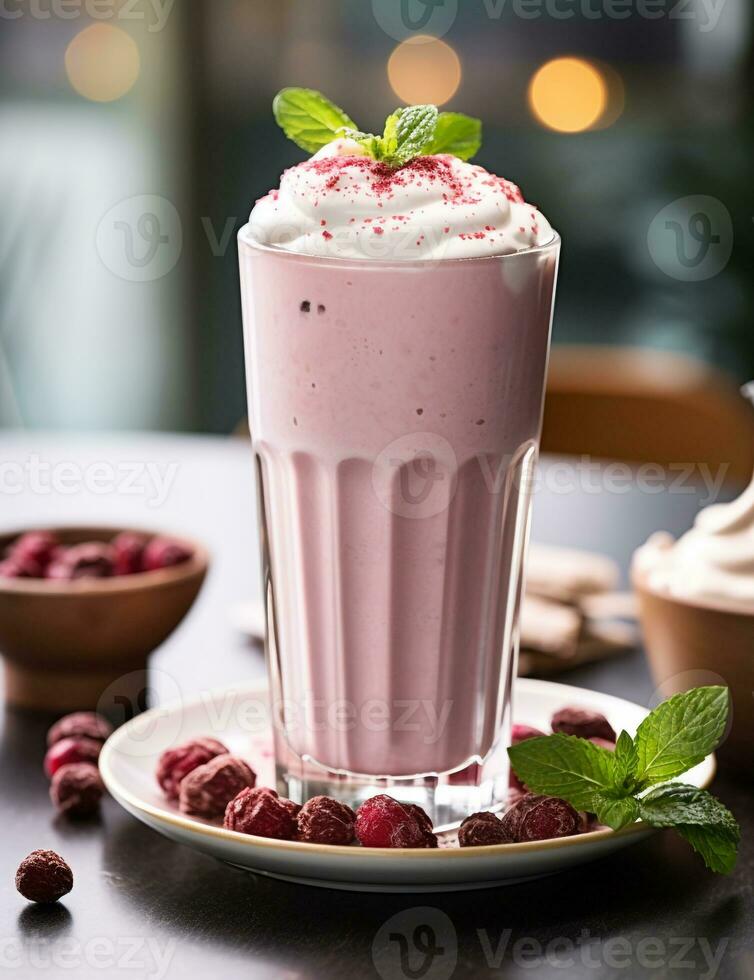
[135,136]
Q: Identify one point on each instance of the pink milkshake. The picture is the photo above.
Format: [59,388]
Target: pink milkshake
[395,402]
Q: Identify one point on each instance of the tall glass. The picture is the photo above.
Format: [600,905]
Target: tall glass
[395,411]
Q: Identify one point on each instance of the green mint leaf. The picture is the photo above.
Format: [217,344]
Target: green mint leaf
[456,134]
[679,733]
[625,761]
[716,850]
[680,803]
[308,118]
[699,818]
[371,143]
[390,133]
[615,811]
[571,768]
[413,130]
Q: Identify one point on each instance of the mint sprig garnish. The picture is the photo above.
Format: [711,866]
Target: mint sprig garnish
[615,786]
[312,121]
[308,118]
[456,134]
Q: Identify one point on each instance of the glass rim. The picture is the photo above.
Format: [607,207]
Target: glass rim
[245,238]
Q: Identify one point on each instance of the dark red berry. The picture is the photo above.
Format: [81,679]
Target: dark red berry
[176,763]
[44,877]
[424,822]
[13,567]
[68,750]
[207,790]
[129,553]
[293,808]
[261,812]
[482,828]
[323,820]
[86,723]
[384,822]
[76,789]
[540,818]
[37,547]
[164,552]
[90,560]
[520,733]
[584,723]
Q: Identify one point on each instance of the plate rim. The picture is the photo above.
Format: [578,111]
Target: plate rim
[287,847]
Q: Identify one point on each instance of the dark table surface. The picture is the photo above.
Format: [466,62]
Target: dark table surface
[145,907]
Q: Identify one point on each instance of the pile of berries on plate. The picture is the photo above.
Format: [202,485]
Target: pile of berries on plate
[41,554]
[71,762]
[206,780]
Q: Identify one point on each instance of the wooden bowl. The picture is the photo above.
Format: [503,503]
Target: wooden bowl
[690,642]
[84,643]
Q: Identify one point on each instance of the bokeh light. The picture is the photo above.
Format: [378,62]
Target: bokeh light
[102,62]
[568,95]
[424,69]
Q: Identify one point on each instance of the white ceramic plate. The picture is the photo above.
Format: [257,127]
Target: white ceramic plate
[129,757]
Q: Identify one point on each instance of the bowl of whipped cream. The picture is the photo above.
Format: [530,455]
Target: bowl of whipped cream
[696,604]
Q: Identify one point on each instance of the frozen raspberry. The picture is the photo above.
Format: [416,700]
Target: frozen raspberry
[261,812]
[384,822]
[585,724]
[76,789]
[38,547]
[603,743]
[293,808]
[482,828]
[13,567]
[424,822]
[163,553]
[176,763]
[520,733]
[207,790]
[129,553]
[323,820]
[540,818]
[86,723]
[90,560]
[44,877]
[67,750]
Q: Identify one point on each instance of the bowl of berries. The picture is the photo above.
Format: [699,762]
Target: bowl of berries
[81,609]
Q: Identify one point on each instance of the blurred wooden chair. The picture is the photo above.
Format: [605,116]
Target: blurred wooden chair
[644,405]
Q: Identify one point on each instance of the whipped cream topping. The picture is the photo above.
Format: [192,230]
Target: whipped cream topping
[342,203]
[714,560]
